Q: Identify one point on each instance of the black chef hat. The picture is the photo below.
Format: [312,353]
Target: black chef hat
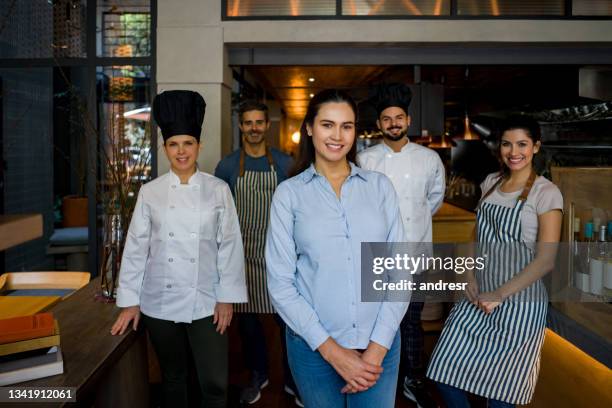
[179,113]
[396,94]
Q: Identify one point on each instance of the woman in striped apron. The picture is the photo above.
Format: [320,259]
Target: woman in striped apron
[490,345]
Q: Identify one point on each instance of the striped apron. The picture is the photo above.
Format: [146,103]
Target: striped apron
[254,190]
[496,356]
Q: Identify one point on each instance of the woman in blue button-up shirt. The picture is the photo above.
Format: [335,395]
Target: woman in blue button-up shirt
[340,349]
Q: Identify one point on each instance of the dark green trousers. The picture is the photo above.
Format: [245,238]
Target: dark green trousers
[175,344]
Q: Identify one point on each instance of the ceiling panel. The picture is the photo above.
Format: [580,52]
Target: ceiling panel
[292,85]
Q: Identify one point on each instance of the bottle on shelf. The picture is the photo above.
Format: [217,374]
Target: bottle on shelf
[577,266]
[585,258]
[598,261]
[607,265]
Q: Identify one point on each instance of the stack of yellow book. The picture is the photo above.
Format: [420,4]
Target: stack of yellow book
[29,348]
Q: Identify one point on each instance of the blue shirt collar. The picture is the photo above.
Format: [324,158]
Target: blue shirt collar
[311,172]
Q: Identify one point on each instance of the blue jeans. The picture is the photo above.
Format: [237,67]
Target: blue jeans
[457,398]
[319,384]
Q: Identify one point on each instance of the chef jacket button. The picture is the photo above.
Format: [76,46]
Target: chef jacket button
[192,260]
[172,207]
[193,235]
[171,234]
[407,218]
[168,286]
[170,260]
[174,186]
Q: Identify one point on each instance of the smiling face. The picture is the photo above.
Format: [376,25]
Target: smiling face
[517,149]
[182,152]
[333,132]
[394,123]
[254,126]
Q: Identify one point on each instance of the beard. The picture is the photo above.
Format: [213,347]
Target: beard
[254,138]
[388,135]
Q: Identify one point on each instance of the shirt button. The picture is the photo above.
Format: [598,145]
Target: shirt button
[354,325]
[192,260]
[170,260]
[347,236]
[168,286]
[348,259]
[171,234]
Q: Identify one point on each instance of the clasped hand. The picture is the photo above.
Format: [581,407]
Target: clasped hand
[486,301]
[359,370]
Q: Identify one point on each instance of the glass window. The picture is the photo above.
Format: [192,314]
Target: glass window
[42,29]
[27,145]
[592,7]
[125,109]
[124,28]
[510,7]
[396,7]
[238,8]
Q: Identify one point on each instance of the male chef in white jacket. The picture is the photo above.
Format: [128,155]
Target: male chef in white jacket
[417,173]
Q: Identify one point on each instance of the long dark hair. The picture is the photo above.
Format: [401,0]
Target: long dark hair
[521,122]
[306,155]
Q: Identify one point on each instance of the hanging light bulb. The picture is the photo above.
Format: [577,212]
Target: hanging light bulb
[295,137]
[467,133]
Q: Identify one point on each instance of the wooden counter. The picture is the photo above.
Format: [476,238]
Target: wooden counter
[453,224]
[107,371]
[17,229]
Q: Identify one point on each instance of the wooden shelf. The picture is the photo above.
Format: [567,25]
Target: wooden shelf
[17,229]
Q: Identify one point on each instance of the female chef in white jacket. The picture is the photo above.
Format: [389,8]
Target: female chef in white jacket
[183,263]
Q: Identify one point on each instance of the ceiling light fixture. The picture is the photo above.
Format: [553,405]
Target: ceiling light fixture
[311,79]
[295,137]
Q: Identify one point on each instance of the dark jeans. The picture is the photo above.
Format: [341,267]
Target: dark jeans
[457,398]
[173,343]
[412,341]
[254,345]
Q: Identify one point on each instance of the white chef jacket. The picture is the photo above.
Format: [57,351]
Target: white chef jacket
[418,175]
[183,252]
